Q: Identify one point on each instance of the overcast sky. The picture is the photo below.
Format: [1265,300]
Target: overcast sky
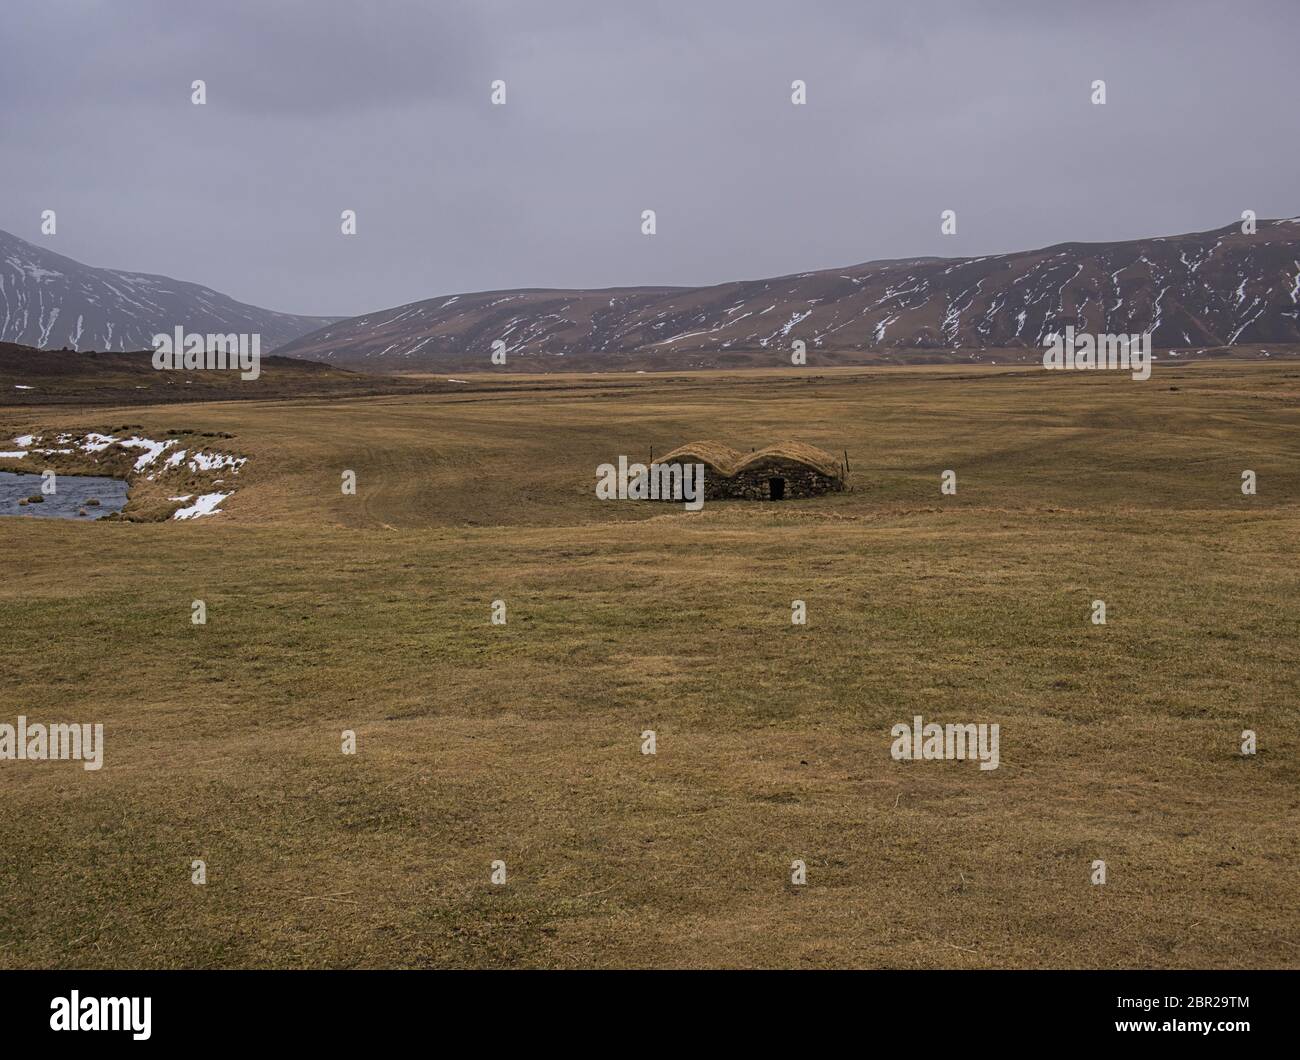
[617,106]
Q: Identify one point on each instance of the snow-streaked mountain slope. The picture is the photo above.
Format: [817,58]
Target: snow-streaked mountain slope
[1205,289]
[51,301]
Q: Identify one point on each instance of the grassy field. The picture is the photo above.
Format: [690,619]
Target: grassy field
[521,742]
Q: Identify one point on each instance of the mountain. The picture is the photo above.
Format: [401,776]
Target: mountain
[50,301]
[1206,289]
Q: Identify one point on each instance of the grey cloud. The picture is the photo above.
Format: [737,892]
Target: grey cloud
[618,107]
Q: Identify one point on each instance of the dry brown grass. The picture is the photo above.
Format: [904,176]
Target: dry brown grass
[521,742]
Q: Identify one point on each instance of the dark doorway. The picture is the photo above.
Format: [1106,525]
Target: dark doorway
[776,488]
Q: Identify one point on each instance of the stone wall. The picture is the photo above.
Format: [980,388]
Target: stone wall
[753,484]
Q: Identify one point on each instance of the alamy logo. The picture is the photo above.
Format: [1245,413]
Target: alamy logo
[191,351]
[658,482]
[1083,351]
[77,1013]
[919,742]
[40,743]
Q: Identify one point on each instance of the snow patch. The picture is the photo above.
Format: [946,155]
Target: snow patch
[152,450]
[216,461]
[205,505]
[97,443]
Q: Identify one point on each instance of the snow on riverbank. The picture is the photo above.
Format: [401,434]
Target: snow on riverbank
[205,505]
[152,459]
[152,450]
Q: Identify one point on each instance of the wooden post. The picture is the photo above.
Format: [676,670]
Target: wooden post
[846,461]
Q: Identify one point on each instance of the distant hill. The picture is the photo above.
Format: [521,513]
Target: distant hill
[1203,290]
[50,301]
[42,377]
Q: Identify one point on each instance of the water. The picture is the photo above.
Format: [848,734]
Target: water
[73,493]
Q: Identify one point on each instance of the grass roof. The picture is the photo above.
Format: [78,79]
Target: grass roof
[727,462]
